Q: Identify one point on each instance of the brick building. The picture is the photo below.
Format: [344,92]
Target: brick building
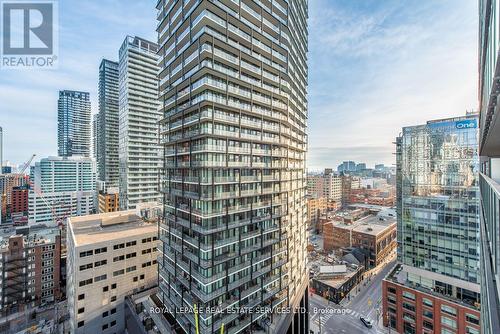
[409,310]
[376,234]
[19,200]
[30,268]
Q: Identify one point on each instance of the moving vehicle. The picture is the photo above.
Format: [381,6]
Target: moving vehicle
[367,322]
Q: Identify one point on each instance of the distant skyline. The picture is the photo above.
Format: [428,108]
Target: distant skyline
[373,67]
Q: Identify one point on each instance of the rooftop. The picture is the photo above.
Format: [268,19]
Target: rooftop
[32,237]
[105,227]
[372,224]
[337,275]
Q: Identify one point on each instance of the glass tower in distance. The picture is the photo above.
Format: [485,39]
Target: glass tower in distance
[233,84]
[107,129]
[73,123]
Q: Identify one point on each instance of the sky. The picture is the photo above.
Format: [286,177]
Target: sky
[374,67]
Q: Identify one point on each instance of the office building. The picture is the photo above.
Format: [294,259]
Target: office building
[107,118]
[489,151]
[73,124]
[110,256]
[233,98]
[435,288]
[61,187]
[139,150]
[29,268]
[316,207]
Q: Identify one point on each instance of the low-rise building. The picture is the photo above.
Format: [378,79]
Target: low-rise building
[20,200]
[335,282]
[412,309]
[374,233]
[29,268]
[110,255]
[108,200]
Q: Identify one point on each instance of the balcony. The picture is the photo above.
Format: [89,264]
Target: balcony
[490,239]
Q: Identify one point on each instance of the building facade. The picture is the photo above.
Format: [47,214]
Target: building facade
[73,124]
[20,199]
[315,208]
[108,120]
[29,269]
[110,256]
[61,187]
[108,201]
[438,224]
[326,185]
[233,98]
[7,183]
[489,151]
[139,151]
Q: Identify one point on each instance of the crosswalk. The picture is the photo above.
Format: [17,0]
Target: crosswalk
[323,318]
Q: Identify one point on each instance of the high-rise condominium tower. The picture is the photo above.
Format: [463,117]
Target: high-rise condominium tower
[233,85]
[73,123]
[489,151]
[107,130]
[436,286]
[139,151]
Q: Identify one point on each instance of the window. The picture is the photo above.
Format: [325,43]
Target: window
[131,255]
[449,310]
[100,263]
[105,314]
[427,314]
[81,323]
[135,279]
[113,310]
[470,330]
[146,240]
[119,246]
[472,318]
[113,323]
[105,326]
[133,268]
[408,295]
[81,310]
[86,253]
[113,286]
[427,302]
[118,272]
[409,306]
[131,243]
[85,282]
[113,298]
[391,290]
[428,325]
[101,250]
[449,322]
[86,266]
[142,276]
[81,297]
[100,278]
[104,289]
[118,258]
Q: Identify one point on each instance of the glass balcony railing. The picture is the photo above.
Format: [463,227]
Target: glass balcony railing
[490,248]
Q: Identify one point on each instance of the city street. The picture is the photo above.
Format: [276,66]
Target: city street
[329,318]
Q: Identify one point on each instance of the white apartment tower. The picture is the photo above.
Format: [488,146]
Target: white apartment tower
[139,152]
[61,187]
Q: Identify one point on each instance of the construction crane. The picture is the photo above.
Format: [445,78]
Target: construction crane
[26,165]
